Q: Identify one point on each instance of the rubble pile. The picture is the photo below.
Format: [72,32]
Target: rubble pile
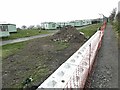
[69,34]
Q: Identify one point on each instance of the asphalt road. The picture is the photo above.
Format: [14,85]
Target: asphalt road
[105,69]
[23,39]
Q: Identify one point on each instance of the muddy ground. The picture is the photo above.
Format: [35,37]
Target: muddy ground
[39,59]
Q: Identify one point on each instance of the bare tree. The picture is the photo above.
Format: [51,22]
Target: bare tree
[18,28]
[24,27]
[38,27]
[112,15]
[31,27]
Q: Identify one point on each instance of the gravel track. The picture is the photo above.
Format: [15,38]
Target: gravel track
[105,69]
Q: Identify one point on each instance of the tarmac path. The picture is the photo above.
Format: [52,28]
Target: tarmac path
[22,39]
[105,69]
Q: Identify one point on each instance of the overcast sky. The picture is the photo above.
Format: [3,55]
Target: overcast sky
[33,12]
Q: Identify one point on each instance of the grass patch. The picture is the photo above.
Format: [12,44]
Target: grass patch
[25,33]
[90,30]
[10,49]
[60,45]
[36,75]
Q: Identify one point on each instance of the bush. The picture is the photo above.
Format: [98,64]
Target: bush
[118,22]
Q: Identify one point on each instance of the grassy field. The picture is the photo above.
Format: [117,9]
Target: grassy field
[25,33]
[10,49]
[89,31]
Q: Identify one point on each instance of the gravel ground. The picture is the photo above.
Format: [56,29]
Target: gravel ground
[105,69]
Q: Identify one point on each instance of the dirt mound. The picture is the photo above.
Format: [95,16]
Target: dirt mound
[69,34]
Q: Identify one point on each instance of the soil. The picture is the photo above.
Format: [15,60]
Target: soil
[40,58]
[69,34]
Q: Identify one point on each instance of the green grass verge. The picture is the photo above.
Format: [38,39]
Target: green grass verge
[25,33]
[36,75]
[90,30]
[11,49]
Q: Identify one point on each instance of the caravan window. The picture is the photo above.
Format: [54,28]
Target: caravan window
[5,28]
[53,25]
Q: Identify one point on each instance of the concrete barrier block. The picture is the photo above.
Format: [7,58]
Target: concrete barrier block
[59,77]
[78,78]
[73,73]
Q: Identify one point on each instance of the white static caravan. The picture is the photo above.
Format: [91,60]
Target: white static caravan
[72,23]
[58,25]
[4,30]
[12,28]
[48,25]
[89,21]
[78,23]
[67,23]
[86,22]
[61,24]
